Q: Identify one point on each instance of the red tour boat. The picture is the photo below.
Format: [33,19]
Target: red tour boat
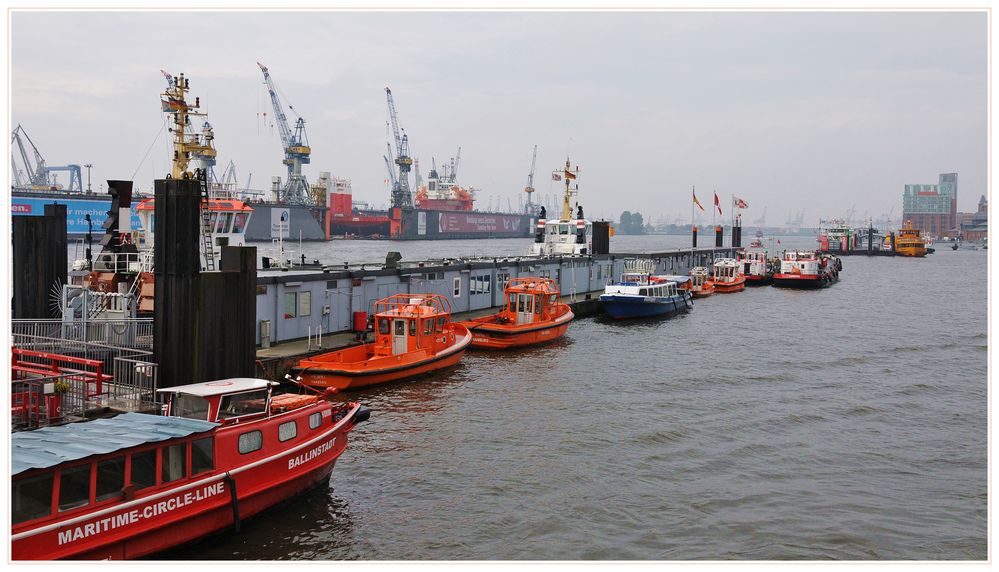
[532,315]
[136,484]
[414,335]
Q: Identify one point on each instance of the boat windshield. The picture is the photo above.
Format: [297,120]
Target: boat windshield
[243,404]
[189,406]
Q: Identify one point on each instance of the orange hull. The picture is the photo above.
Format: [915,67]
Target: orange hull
[488,334]
[357,366]
[725,287]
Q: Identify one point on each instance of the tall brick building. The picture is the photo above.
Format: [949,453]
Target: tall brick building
[932,208]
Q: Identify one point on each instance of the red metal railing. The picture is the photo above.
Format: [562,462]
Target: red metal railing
[88,371]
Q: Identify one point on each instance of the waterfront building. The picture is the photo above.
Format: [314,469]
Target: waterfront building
[932,208]
[976,227]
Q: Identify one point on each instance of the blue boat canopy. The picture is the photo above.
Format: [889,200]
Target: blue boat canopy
[50,446]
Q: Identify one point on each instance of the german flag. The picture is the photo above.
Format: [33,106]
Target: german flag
[569,175]
[696,202]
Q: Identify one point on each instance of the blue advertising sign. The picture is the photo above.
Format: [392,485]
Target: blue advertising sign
[76,210]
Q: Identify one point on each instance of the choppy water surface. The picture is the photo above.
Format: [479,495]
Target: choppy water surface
[846,423]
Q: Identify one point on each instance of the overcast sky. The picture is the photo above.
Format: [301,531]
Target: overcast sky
[801,110]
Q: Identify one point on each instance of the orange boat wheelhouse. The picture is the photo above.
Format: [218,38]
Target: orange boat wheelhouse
[414,335]
[727,275]
[532,314]
[700,284]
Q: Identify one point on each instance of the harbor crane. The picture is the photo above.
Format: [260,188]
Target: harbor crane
[402,197]
[34,174]
[762,221]
[296,149]
[529,207]
[388,165]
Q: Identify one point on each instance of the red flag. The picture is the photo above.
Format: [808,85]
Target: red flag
[741,203]
[696,202]
[717,204]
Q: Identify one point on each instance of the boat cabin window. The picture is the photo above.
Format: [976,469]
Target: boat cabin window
[143,469]
[440,323]
[110,478]
[563,229]
[287,431]
[32,497]
[239,223]
[643,291]
[74,487]
[250,442]
[246,403]
[552,300]
[412,327]
[202,455]
[400,327]
[315,420]
[173,462]
[383,325]
[428,327]
[513,302]
[189,406]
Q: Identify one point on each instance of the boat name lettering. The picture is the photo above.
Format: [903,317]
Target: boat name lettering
[306,457]
[135,515]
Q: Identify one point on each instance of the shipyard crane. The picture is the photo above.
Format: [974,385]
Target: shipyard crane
[36,174]
[530,182]
[453,177]
[762,221]
[388,165]
[296,148]
[402,197]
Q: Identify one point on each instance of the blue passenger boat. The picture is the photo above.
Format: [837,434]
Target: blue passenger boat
[641,295]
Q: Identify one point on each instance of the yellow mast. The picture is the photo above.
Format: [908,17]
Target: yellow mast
[176,105]
[569,175]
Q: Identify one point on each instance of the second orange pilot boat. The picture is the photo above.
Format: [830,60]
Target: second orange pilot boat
[532,314]
[414,335]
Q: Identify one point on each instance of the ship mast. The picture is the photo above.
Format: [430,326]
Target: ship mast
[569,191]
[184,148]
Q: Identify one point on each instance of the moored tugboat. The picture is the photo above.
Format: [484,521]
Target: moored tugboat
[414,335]
[136,484]
[756,267]
[532,314]
[807,269]
[727,276]
[700,284]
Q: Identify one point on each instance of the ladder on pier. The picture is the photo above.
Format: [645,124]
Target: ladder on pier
[208,249]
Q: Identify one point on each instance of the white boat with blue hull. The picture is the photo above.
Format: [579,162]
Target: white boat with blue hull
[642,295]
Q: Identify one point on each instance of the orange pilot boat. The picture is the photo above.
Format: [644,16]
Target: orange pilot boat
[414,335]
[700,284]
[726,276]
[532,314]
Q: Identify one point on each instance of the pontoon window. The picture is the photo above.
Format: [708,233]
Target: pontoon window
[189,406]
[287,431]
[202,455]
[173,462]
[250,442]
[243,404]
[110,478]
[32,497]
[143,469]
[74,487]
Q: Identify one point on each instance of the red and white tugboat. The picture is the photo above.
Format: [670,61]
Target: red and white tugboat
[807,269]
[756,267]
[136,484]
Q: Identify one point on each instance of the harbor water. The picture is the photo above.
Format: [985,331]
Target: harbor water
[844,423]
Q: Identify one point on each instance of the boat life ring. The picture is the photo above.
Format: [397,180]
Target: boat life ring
[102,286]
[126,239]
[443,339]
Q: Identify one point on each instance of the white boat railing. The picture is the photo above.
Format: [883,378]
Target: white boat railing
[133,334]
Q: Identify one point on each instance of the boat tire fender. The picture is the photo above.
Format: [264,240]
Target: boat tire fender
[233,501]
[363,414]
